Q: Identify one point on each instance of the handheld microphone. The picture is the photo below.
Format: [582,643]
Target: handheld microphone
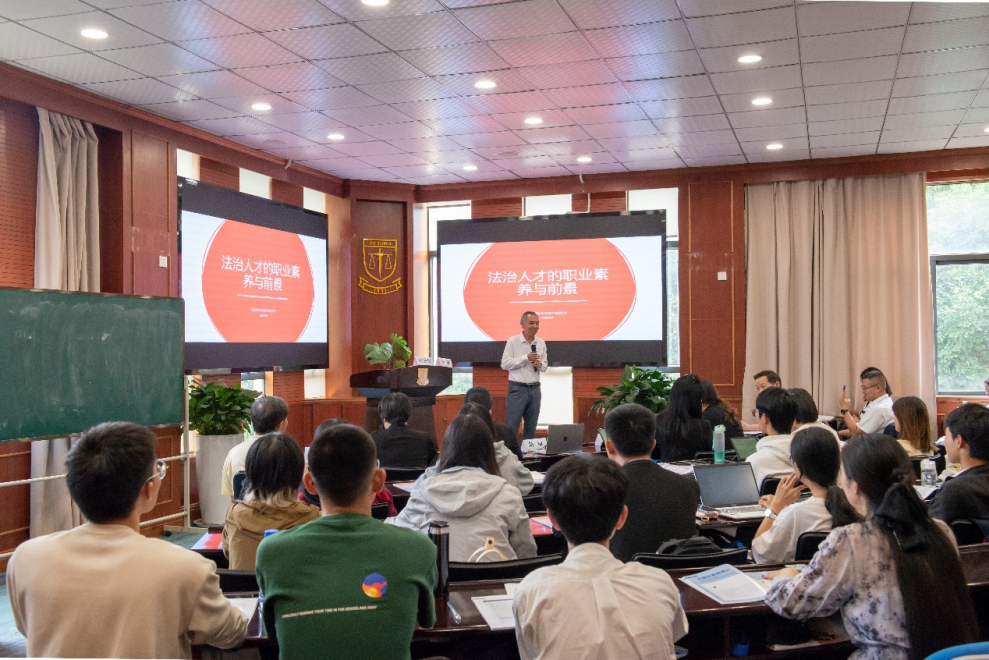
[533,349]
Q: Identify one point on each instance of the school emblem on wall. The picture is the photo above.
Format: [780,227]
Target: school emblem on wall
[380,264]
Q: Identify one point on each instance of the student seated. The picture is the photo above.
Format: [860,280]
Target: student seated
[662,505]
[717,412]
[680,430]
[763,380]
[807,415]
[776,409]
[913,426]
[467,492]
[895,577]
[102,590]
[398,445]
[816,462]
[268,414]
[274,469]
[877,411]
[346,585]
[509,466]
[966,440]
[481,396]
[592,605]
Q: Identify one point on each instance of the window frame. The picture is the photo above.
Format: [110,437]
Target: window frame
[956,260]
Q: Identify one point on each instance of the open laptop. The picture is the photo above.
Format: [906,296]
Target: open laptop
[729,489]
[564,438]
[744,446]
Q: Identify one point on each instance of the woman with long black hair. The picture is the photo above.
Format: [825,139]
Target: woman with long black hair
[890,574]
[680,431]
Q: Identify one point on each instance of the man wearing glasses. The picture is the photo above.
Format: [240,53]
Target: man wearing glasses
[102,590]
[876,414]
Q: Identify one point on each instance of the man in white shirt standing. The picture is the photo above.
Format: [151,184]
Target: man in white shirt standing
[592,605]
[524,358]
[876,414]
[268,414]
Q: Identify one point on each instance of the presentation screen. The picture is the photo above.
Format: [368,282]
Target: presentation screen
[596,280]
[253,280]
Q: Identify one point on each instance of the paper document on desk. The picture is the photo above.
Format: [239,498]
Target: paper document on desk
[537,477]
[407,486]
[728,585]
[925,491]
[246,605]
[679,468]
[496,610]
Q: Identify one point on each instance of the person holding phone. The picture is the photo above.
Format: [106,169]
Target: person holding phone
[524,359]
[876,414]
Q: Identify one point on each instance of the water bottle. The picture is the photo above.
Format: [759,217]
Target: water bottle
[719,443]
[928,472]
[439,533]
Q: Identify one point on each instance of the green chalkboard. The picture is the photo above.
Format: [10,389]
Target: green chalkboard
[73,360]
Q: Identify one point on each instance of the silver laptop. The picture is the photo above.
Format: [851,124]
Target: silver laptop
[564,438]
[729,489]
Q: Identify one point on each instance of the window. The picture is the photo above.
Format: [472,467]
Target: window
[666,199]
[958,242]
[547,205]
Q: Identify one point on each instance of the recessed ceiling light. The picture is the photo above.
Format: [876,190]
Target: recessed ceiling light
[335,136]
[93,33]
[470,168]
[532,121]
[262,107]
[762,100]
[774,146]
[987,129]
[584,159]
[485,84]
[375,3]
[749,59]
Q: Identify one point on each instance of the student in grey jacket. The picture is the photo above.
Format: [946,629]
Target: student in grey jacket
[466,491]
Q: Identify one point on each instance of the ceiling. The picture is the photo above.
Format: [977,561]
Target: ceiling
[632,84]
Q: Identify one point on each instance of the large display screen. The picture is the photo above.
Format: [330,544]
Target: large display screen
[253,280]
[597,282]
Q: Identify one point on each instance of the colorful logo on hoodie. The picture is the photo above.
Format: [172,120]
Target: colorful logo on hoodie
[375,585]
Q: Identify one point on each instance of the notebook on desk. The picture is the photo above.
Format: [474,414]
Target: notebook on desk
[729,489]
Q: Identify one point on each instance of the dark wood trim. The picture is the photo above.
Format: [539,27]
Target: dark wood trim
[958,176]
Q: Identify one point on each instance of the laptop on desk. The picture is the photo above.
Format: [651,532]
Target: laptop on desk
[729,489]
[744,446]
[564,438]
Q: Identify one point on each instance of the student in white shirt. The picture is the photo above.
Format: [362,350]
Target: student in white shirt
[268,414]
[776,410]
[816,461]
[876,414]
[592,605]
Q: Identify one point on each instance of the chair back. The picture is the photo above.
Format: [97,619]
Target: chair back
[232,581]
[969,532]
[403,474]
[734,556]
[769,486]
[890,430]
[513,569]
[533,502]
[379,511]
[239,479]
[807,544]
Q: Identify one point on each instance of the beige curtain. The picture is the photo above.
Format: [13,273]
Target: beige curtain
[838,279]
[66,257]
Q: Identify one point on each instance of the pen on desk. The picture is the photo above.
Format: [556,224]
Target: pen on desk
[456,615]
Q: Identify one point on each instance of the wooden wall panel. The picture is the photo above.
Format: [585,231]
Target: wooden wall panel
[112,182]
[219,174]
[153,224]
[945,404]
[287,193]
[290,385]
[15,512]
[506,207]
[170,495]
[18,186]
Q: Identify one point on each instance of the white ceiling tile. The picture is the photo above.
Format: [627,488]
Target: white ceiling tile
[272,141]
[597,168]
[758,80]
[367,116]
[337,164]
[844,139]
[464,58]
[451,156]
[579,97]
[360,149]
[68,28]
[484,174]
[374,174]
[113,4]
[425,144]
[433,180]
[21,10]
[830,18]
[406,171]
[358,11]
[759,133]
[214,84]
[516,120]
[659,164]
[917,134]
[977,115]
[178,20]
[709,150]
[517,102]
[367,69]
[536,172]
[159,60]
[850,71]
[694,8]
[606,113]
[620,129]
[590,14]
[506,80]
[309,152]
[837,126]
[597,158]
[279,105]
[419,31]
[437,109]
[750,27]
[931,103]
[532,161]
[916,145]
[316,43]
[859,110]
[264,15]
[81,68]
[518,151]
[706,105]
[393,160]
[400,131]
[554,134]
[928,12]
[457,126]
[664,37]
[666,65]
[635,143]
[867,43]
[18,43]
[715,161]
[234,126]
[570,148]
[403,91]
[479,140]
[773,53]
[545,49]
[304,121]
[946,61]
[965,142]
[242,50]
[971,130]
[696,139]
[658,153]
[767,117]
[844,152]
[525,18]
[319,136]
[694,124]
[670,88]
[568,74]
[767,156]
[140,92]
[981,99]
[792,150]
[782,98]
[939,84]
[952,34]
[848,93]
[331,99]
[294,77]
[190,110]
[922,119]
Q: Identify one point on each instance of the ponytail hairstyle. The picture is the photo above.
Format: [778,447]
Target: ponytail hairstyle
[816,454]
[915,423]
[927,568]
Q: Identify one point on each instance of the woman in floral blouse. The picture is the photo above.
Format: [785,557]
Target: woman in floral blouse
[887,574]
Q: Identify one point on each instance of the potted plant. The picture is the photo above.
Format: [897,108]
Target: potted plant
[220,414]
[393,354]
[646,387]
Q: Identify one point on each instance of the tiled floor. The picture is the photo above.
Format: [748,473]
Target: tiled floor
[12,644]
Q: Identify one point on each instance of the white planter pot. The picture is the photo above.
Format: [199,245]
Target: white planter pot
[212,451]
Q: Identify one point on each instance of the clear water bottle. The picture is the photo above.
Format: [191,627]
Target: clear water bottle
[928,472]
[719,443]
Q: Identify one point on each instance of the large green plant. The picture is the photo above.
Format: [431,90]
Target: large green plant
[215,409]
[395,353]
[647,387]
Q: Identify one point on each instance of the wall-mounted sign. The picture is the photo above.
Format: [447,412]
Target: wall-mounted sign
[380,264]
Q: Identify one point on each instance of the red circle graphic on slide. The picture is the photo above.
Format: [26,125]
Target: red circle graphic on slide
[582,289]
[257,284]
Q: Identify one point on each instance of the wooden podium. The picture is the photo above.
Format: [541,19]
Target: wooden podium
[420,384]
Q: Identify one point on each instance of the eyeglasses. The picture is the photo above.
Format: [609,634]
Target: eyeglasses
[161,469]
[866,388]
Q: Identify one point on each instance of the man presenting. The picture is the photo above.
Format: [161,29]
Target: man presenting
[523,359]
